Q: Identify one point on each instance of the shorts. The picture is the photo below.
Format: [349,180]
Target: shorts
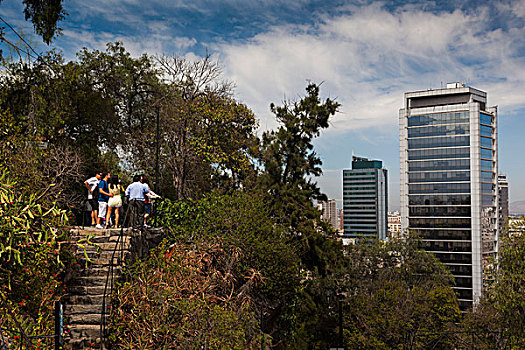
[92,205]
[147,208]
[102,209]
[115,202]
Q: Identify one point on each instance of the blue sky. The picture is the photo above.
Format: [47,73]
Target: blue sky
[367,54]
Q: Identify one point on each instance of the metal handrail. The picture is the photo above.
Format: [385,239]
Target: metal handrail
[120,241]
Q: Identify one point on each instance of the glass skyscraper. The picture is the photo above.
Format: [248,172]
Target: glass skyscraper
[365,198]
[449,164]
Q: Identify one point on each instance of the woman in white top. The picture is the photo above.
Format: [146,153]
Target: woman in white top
[115,202]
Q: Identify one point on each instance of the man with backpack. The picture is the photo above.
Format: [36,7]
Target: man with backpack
[92,197]
[103,198]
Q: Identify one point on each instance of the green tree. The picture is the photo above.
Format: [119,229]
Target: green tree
[500,315]
[207,137]
[393,290]
[222,269]
[45,15]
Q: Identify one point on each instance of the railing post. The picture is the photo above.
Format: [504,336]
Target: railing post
[59,325]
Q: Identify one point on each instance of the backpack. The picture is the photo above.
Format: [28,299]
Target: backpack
[95,193]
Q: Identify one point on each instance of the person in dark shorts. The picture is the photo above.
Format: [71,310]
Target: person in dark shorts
[136,193]
[92,202]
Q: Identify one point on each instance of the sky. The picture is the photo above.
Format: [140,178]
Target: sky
[366,54]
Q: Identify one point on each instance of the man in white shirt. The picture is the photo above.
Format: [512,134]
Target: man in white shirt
[92,203]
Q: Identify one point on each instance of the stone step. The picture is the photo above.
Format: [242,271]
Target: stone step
[84,299]
[84,319]
[104,255]
[78,331]
[84,343]
[98,271]
[100,262]
[87,290]
[95,309]
[91,280]
[105,246]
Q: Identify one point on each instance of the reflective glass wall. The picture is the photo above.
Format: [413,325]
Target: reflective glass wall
[439,190]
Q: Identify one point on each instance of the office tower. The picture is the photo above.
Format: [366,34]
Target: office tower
[365,199]
[449,162]
[329,212]
[503,201]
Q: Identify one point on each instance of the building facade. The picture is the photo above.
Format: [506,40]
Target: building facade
[503,202]
[365,199]
[449,165]
[329,212]
[394,224]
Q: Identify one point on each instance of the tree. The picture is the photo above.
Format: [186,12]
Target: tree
[393,290]
[500,314]
[289,162]
[207,136]
[45,15]
[221,272]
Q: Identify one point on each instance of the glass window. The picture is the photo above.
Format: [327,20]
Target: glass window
[439,176]
[454,258]
[438,118]
[485,142]
[487,200]
[464,294]
[487,188]
[465,282]
[485,119]
[439,199]
[439,222]
[439,153]
[460,270]
[449,164]
[486,176]
[486,153]
[485,130]
[486,165]
[439,211]
[440,130]
[434,142]
[441,246]
[439,188]
[463,235]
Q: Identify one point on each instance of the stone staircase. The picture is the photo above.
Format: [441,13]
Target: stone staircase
[87,281]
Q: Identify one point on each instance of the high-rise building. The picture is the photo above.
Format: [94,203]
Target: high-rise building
[503,202]
[329,212]
[449,161]
[365,199]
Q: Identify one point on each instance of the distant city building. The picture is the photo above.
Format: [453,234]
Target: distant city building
[365,198]
[449,162]
[503,201]
[329,212]
[394,224]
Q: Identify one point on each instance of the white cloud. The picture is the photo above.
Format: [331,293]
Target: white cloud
[368,58]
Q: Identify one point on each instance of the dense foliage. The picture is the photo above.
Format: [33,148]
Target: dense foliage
[31,261]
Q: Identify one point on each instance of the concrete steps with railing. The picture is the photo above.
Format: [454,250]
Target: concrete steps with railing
[97,252]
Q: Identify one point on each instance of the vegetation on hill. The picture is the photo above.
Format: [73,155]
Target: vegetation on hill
[247,262]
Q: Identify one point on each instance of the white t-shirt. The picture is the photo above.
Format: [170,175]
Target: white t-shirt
[92,183]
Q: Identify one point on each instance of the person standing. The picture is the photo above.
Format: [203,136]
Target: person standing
[115,202]
[92,203]
[103,198]
[150,196]
[136,193]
